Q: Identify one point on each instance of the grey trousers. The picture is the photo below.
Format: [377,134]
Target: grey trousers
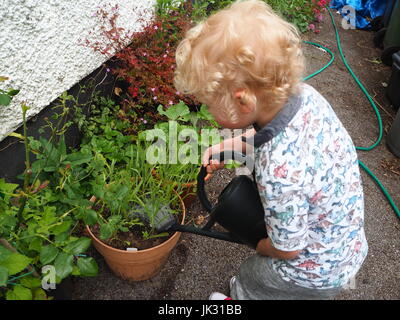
[258,281]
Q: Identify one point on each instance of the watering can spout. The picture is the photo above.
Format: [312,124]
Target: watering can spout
[206,232]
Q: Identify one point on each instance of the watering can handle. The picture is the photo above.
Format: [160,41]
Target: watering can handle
[201,193]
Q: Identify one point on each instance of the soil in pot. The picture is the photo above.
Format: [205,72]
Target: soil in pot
[133,238]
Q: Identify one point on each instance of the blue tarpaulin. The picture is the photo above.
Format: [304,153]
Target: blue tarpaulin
[363,9]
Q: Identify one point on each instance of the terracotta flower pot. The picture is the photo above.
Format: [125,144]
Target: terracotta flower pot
[137,265]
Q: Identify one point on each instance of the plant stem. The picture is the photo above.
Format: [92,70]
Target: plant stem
[54,133]
[27,151]
[28,170]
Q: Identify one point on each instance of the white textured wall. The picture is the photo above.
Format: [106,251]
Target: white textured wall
[40,51]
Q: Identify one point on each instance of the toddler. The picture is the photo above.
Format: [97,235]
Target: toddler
[245,62]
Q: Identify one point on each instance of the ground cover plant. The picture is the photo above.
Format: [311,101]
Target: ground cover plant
[40,240]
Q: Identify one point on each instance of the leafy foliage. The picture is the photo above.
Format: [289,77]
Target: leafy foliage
[38,222]
[6,96]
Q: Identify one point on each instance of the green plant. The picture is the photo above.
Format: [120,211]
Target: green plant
[6,96]
[185,133]
[113,192]
[203,8]
[39,221]
[298,12]
[301,13]
[165,7]
[118,175]
[128,186]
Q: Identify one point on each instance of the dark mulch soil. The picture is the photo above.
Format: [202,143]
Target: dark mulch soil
[134,237]
[131,239]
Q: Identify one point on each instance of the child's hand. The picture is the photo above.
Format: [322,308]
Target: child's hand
[213,165]
[234,144]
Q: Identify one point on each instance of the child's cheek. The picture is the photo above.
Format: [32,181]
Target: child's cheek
[222,122]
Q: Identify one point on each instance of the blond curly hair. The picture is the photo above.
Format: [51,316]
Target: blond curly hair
[245,46]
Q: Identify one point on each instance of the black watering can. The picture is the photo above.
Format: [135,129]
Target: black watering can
[239,210]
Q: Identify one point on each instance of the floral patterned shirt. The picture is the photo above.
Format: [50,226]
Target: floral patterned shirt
[309,181]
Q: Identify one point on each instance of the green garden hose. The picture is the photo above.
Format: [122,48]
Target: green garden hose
[324,67]
[377,113]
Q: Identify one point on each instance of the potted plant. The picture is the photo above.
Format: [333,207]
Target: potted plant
[130,202]
[188,128]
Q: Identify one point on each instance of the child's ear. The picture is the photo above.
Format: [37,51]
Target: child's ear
[245,106]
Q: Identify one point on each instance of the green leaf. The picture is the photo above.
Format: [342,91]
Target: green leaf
[78,246]
[4,253]
[61,238]
[3,276]
[13,92]
[31,282]
[4,99]
[48,254]
[106,231]
[121,192]
[49,216]
[15,263]
[115,220]
[179,110]
[62,148]
[36,244]
[88,267]
[6,189]
[78,158]
[64,265]
[64,226]
[39,294]
[19,293]
[75,271]
[90,217]
[98,163]
[16,135]
[204,113]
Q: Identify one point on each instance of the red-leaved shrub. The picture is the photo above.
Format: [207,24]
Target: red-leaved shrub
[146,65]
